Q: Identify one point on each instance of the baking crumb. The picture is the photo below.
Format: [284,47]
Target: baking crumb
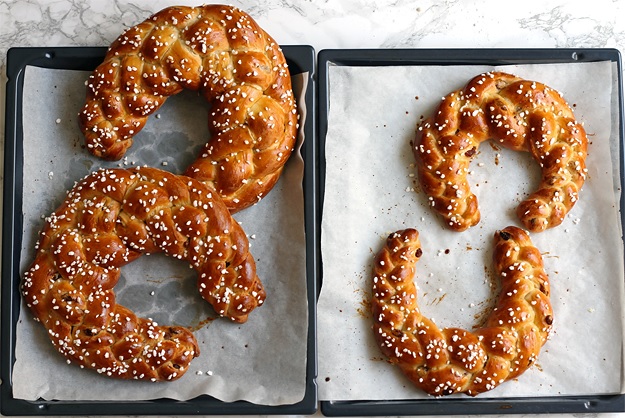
[152,293]
[50,174]
[209,373]
[164,163]
[158,116]
[199,372]
[58,120]
[591,310]
[253,236]
[471,305]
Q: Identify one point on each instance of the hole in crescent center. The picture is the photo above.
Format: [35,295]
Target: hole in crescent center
[164,289]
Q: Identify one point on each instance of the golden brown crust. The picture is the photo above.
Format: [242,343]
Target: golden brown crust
[109,219]
[453,360]
[239,69]
[521,115]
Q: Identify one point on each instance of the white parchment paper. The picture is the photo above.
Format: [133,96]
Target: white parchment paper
[262,361]
[371,190]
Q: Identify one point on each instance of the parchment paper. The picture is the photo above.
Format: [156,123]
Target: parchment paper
[372,190]
[262,361]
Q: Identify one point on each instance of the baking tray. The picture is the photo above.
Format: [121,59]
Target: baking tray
[421,57]
[300,59]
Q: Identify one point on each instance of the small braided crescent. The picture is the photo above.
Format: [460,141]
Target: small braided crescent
[453,360]
[109,219]
[221,51]
[522,115]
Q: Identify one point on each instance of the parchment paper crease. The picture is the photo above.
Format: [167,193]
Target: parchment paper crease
[262,361]
[371,190]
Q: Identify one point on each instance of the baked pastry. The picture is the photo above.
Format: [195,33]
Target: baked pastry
[109,219]
[521,115]
[452,360]
[222,52]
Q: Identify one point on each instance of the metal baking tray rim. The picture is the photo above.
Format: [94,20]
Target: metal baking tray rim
[301,59]
[455,56]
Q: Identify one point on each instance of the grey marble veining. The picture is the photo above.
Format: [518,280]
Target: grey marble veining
[337,24]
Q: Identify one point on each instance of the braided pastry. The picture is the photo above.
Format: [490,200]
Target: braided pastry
[240,70]
[522,115]
[453,360]
[109,219]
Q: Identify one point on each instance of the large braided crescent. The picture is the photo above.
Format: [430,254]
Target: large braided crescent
[453,360]
[109,219]
[522,115]
[221,51]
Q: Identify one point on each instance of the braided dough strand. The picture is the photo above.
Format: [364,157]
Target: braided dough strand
[109,219]
[453,360]
[521,115]
[240,70]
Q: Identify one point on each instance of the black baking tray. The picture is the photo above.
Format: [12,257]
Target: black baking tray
[421,57]
[301,59]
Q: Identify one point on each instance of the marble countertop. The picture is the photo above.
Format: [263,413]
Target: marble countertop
[326,24]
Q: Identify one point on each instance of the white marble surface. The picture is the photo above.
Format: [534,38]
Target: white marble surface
[335,24]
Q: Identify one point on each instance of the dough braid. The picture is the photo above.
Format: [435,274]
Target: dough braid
[240,70]
[453,360]
[109,219]
[522,115]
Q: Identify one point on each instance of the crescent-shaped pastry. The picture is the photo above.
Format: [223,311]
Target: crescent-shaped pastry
[519,114]
[453,360]
[222,52]
[109,219]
